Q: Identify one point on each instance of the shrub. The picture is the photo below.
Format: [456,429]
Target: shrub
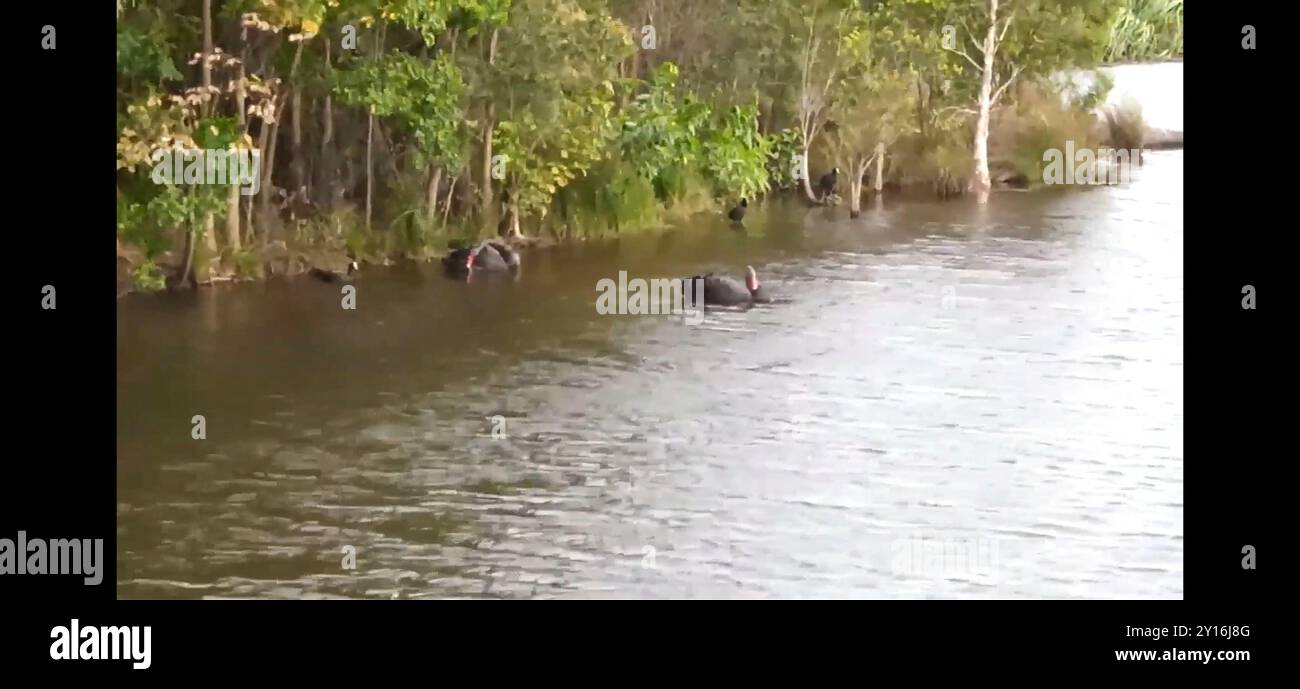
[1125,127]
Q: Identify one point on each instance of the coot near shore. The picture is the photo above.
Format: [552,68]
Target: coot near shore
[737,214]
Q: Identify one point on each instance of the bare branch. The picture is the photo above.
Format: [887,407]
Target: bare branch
[974,41]
[998,94]
[968,57]
[1005,26]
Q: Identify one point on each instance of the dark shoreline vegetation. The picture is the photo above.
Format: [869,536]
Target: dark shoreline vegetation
[399,129]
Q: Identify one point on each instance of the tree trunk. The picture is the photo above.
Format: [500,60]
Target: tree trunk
[514,222]
[485,186]
[232,219]
[982,184]
[269,159]
[446,211]
[370,145]
[207,50]
[435,180]
[263,139]
[210,250]
[922,111]
[326,165]
[807,175]
[879,184]
[209,220]
[187,267]
[489,124]
[296,168]
[269,156]
[855,191]
[232,196]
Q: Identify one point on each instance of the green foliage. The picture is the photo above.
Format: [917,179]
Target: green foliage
[1043,36]
[661,131]
[783,147]
[613,196]
[736,154]
[1043,120]
[545,155]
[555,93]
[144,57]
[598,135]
[248,264]
[146,216]
[411,231]
[148,277]
[304,15]
[472,16]
[1125,127]
[1146,30]
[218,133]
[424,95]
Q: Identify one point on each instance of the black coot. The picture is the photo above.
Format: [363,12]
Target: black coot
[737,214]
[826,185]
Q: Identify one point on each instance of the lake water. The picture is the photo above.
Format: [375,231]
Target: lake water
[948,401]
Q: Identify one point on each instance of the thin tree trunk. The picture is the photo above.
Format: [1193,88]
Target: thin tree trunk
[263,138]
[296,168]
[446,211]
[370,139]
[514,221]
[187,267]
[807,175]
[210,239]
[807,117]
[489,125]
[922,108]
[880,168]
[370,177]
[207,50]
[232,218]
[232,196]
[269,158]
[209,219]
[982,183]
[388,149]
[326,169]
[434,182]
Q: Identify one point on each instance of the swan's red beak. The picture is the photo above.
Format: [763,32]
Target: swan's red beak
[751,279]
[469,261]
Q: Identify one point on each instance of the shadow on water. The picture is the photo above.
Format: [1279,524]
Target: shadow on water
[953,400]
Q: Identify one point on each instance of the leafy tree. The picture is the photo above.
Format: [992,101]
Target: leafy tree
[1002,40]
[554,123]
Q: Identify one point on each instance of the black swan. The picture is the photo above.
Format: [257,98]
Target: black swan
[335,277]
[488,257]
[737,214]
[724,291]
[826,185]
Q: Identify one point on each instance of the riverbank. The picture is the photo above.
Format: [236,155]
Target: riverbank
[1149,93]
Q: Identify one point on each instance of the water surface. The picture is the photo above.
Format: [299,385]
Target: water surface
[952,401]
